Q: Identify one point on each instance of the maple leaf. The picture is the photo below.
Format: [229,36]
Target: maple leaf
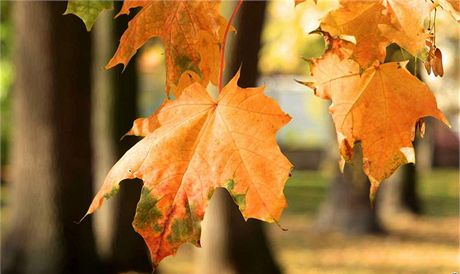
[360,19]
[377,23]
[193,145]
[88,10]
[378,107]
[406,28]
[191,32]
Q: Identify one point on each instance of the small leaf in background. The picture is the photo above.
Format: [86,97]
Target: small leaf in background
[88,10]
[375,24]
[191,32]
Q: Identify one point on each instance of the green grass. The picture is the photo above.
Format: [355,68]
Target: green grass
[305,191]
[414,244]
[438,190]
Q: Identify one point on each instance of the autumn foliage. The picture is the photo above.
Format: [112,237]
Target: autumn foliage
[195,143]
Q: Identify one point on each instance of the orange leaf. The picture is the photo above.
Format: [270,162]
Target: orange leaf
[377,23]
[360,19]
[379,108]
[297,2]
[193,145]
[406,28]
[438,69]
[191,32]
[433,61]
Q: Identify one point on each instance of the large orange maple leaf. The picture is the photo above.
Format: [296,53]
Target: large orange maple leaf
[378,107]
[191,31]
[193,145]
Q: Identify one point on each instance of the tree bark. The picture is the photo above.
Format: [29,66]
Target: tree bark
[347,207]
[129,249]
[103,140]
[51,155]
[230,244]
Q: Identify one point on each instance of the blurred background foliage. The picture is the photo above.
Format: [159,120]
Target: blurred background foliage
[6,76]
[288,36]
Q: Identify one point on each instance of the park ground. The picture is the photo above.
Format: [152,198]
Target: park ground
[428,243]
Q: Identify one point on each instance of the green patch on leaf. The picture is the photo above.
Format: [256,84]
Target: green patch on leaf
[230,185]
[240,200]
[157,228]
[185,63]
[88,10]
[112,193]
[180,231]
[423,54]
[147,212]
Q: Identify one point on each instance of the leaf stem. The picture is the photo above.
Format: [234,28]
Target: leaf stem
[224,42]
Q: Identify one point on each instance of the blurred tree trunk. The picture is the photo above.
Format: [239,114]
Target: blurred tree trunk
[51,184]
[397,194]
[347,207]
[128,248]
[103,139]
[231,245]
[114,110]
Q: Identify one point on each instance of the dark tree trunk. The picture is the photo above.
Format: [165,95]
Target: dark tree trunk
[347,207]
[51,159]
[231,244]
[102,126]
[397,194]
[129,249]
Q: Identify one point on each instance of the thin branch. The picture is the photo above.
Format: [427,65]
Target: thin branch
[222,49]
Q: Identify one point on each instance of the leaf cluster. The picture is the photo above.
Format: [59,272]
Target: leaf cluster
[194,144]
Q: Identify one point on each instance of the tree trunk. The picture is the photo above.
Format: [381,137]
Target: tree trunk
[230,244]
[51,184]
[103,140]
[347,207]
[398,195]
[129,249]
